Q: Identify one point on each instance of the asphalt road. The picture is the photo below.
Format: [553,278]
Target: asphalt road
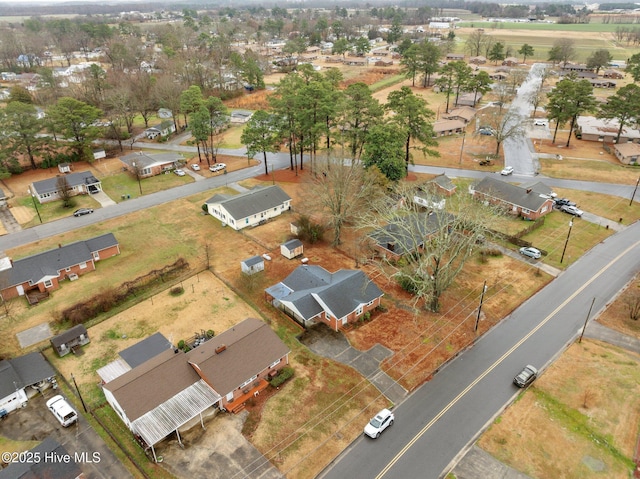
[518,150]
[441,419]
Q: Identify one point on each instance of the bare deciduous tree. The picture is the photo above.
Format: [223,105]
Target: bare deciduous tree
[430,245]
[633,304]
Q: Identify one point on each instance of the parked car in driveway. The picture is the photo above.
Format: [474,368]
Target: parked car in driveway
[82,212]
[526,376]
[195,167]
[217,167]
[508,170]
[379,423]
[531,252]
[572,210]
[563,201]
[179,172]
[62,411]
[485,131]
[540,122]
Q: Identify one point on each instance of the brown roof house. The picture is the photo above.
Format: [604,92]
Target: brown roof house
[43,272]
[518,201]
[627,153]
[310,294]
[170,390]
[465,114]
[448,127]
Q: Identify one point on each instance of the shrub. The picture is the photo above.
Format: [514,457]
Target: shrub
[284,374]
[176,291]
[181,344]
[210,333]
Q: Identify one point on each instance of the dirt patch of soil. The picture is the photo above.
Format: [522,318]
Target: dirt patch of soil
[207,303]
[584,409]
[616,316]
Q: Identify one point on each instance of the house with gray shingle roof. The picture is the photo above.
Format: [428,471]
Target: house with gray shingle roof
[518,201]
[408,234]
[251,208]
[310,294]
[43,465]
[17,374]
[223,372]
[44,271]
[80,183]
[151,164]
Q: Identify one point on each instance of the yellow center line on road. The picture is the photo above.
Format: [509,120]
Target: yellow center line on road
[498,361]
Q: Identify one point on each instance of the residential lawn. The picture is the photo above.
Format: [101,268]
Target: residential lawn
[610,207]
[122,185]
[552,237]
[55,210]
[587,169]
[386,82]
[232,137]
[579,419]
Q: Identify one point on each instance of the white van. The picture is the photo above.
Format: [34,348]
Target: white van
[61,409]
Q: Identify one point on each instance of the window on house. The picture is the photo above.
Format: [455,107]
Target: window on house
[83,265]
[359,310]
[145,171]
[48,283]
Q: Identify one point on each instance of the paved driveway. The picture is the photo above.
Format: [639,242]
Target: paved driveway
[35,422]
[330,344]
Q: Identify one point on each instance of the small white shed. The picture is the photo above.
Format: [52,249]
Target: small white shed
[252,265]
[292,248]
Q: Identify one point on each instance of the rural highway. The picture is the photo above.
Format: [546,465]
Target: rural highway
[443,417]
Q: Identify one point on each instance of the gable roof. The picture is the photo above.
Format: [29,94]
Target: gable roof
[149,160]
[253,261]
[50,185]
[23,371]
[254,201]
[312,289]
[509,193]
[292,244]
[407,234]
[146,349]
[444,182]
[43,468]
[250,347]
[68,335]
[590,125]
[49,263]
[627,149]
[465,112]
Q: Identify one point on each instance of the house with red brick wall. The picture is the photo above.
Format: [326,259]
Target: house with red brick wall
[149,164]
[223,372]
[528,202]
[311,294]
[44,271]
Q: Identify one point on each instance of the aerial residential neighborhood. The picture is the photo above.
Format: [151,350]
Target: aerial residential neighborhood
[323,240]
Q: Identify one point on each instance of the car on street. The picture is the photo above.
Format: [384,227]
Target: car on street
[508,170]
[572,210]
[526,376]
[179,172]
[62,411]
[379,423]
[530,252]
[540,122]
[195,167]
[82,212]
[217,167]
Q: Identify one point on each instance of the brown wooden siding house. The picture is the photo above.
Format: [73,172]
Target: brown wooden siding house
[70,340]
[43,272]
[525,202]
[224,372]
[464,114]
[310,294]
